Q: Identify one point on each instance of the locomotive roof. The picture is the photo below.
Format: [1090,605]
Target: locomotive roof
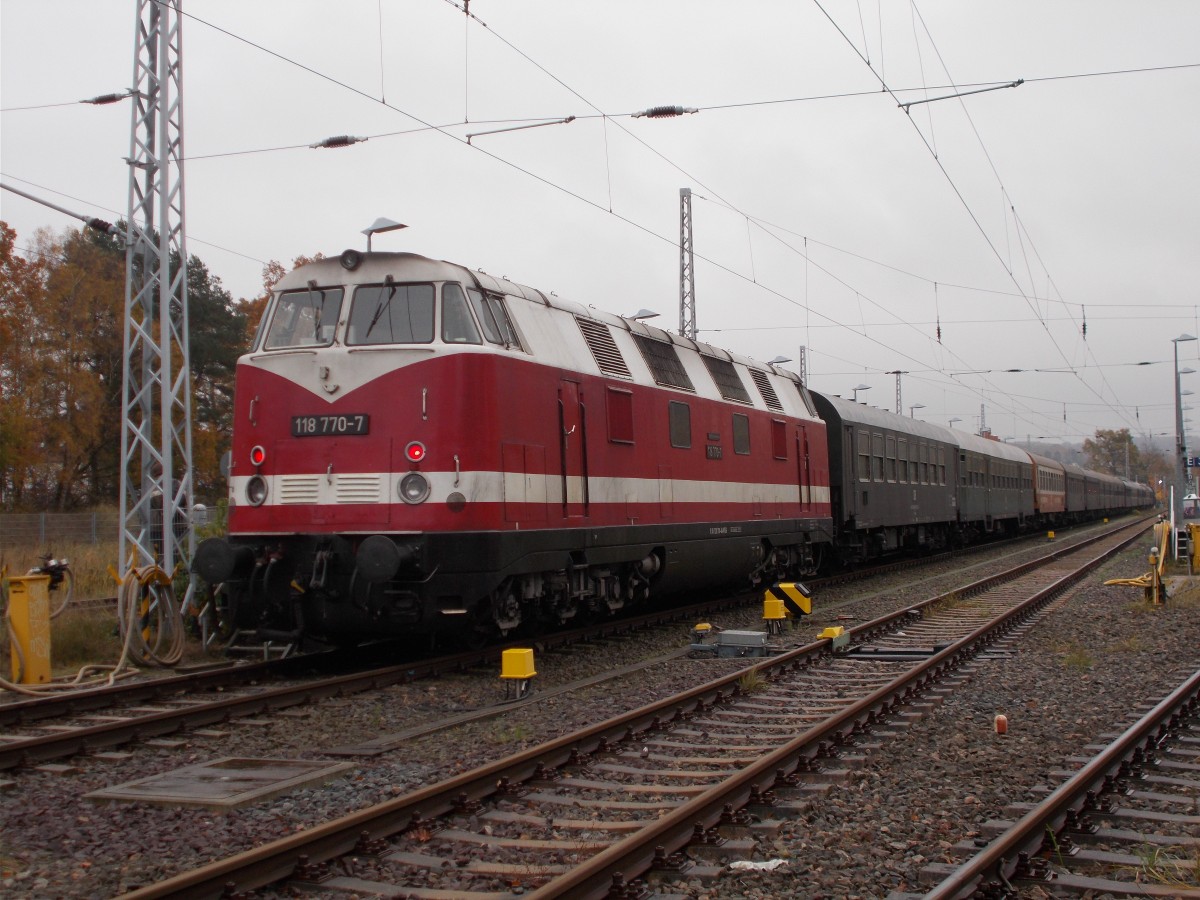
[374,267]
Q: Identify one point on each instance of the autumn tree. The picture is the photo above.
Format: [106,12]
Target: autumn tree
[61,362]
[1113,452]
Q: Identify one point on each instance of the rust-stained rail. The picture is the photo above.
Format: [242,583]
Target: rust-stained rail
[637,852]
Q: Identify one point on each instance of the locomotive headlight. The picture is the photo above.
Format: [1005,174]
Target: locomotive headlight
[256,490]
[413,488]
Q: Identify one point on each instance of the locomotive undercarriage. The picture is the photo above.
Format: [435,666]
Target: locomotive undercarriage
[298,588]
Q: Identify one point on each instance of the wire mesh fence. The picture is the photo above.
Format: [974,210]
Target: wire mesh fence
[46,529]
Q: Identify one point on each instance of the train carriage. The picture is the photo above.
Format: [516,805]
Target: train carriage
[1049,489]
[891,481]
[419,447]
[995,482]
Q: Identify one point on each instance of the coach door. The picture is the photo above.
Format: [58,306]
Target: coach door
[572,420]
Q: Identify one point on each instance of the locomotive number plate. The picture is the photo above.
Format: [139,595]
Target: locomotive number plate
[318,426]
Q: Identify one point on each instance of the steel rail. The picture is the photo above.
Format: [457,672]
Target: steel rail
[1007,855]
[281,859]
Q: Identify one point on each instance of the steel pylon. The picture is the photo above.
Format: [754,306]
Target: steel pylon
[156,433]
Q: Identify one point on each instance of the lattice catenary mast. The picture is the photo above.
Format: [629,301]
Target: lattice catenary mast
[687,287]
[156,434]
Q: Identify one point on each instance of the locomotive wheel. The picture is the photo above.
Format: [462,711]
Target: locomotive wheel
[506,609]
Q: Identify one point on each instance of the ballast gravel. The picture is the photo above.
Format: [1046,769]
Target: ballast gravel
[1090,667]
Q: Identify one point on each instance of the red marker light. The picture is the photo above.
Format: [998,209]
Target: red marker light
[415,451]
[258,455]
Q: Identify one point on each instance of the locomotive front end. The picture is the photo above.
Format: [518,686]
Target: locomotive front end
[347,452]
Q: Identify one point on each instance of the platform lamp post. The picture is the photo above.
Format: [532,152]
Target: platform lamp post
[953,420]
[860,387]
[1180,449]
[912,409]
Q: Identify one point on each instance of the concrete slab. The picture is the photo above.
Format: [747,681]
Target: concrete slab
[224,783]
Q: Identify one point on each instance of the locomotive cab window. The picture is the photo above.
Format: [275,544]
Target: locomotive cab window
[497,326]
[391,314]
[457,325]
[304,318]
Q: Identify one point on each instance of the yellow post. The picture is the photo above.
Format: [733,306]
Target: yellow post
[1194,534]
[516,669]
[29,628]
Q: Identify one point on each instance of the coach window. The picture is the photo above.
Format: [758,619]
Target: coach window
[741,434]
[457,325]
[779,438]
[941,465]
[620,416]
[877,457]
[391,314]
[891,457]
[680,415]
[902,460]
[864,456]
[924,464]
[304,318]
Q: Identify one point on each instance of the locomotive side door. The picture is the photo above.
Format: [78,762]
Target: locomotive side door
[572,421]
[804,469]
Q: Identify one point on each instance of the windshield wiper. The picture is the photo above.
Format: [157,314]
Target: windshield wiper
[320,311]
[383,304]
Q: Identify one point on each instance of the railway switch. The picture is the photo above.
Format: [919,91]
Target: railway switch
[837,635]
[516,668]
[29,628]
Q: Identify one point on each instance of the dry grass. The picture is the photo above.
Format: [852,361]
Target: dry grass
[89,565]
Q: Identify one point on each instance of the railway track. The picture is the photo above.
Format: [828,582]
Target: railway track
[1125,824]
[586,814]
[58,726]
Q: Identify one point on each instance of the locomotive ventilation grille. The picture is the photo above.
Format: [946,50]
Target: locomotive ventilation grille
[358,488]
[764,387]
[299,488]
[604,349]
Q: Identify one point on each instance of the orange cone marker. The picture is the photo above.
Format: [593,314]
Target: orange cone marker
[1001,724]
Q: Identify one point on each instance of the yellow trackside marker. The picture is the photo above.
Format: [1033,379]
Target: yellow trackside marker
[833,631]
[1049,535]
[29,628]
[795,597]
[516,668]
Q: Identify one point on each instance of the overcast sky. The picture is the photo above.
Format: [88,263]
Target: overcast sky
[825,216]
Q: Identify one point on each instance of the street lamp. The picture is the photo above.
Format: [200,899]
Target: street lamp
[953,420]
[1180,449]
[644,314]
[914,407]
[861,387]
[778,361]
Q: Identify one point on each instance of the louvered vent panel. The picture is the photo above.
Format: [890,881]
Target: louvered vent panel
[604,348]
[664,362]
[764,388]
[295,489]
[726,378]
[358,488]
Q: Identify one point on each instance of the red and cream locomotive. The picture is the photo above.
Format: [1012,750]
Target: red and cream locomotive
[421,448]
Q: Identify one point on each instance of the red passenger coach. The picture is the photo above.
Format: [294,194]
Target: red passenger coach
[420,448]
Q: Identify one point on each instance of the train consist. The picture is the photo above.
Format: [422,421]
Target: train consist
[420,449]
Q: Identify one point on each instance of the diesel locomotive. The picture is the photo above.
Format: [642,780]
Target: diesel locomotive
[420,448]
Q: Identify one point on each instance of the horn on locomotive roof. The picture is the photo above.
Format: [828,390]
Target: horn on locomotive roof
[380,225]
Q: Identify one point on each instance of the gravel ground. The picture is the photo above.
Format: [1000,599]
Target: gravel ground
[1070,682]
